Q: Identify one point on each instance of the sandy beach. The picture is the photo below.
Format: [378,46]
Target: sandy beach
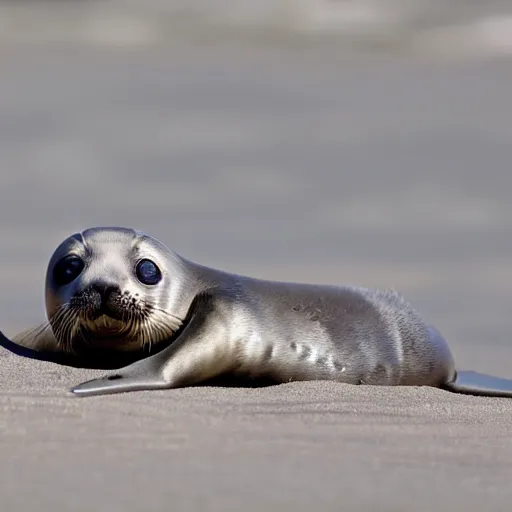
[294,447]
[282,161]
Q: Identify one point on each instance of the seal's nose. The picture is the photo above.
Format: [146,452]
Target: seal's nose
[104,298]
[105,291]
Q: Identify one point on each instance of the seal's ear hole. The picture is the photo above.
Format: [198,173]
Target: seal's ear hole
[114,377]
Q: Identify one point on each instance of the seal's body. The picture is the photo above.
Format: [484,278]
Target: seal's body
[113,292]
[291,331]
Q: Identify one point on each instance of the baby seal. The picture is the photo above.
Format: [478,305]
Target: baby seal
[108,302]
[117,298]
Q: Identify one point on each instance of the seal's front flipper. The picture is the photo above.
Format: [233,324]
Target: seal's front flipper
[200,352]
[142,375]
[119,382]
[473,383]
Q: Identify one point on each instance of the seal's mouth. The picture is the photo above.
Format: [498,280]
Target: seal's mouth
[107,330]
[106,317]
[103,331]
[105,326]
[107,320]
[107,313]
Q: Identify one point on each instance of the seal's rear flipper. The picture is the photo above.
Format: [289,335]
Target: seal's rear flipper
[19,350]
[473,383]
[25,350]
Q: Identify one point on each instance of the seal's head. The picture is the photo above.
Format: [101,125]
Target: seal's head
[109,288]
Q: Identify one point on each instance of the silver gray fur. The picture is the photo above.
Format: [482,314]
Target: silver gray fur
[225,324]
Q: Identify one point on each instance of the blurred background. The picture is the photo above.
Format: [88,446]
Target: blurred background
[362,142]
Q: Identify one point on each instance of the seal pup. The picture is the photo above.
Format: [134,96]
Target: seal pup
[115,295]
[107,301]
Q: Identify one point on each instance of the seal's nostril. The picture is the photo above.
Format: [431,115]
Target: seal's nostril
[104,297]
[105,289]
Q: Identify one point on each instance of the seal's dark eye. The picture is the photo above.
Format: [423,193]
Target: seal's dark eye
[68,269]
[148,273]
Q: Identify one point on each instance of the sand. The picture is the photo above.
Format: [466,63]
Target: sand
[297,446]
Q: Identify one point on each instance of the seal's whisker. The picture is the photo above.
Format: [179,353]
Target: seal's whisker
[169,322]
[168,314]
[58,322]
[157,329]
[66,322]
[147,335]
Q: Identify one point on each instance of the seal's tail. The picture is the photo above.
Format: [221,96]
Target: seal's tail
[473,383]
